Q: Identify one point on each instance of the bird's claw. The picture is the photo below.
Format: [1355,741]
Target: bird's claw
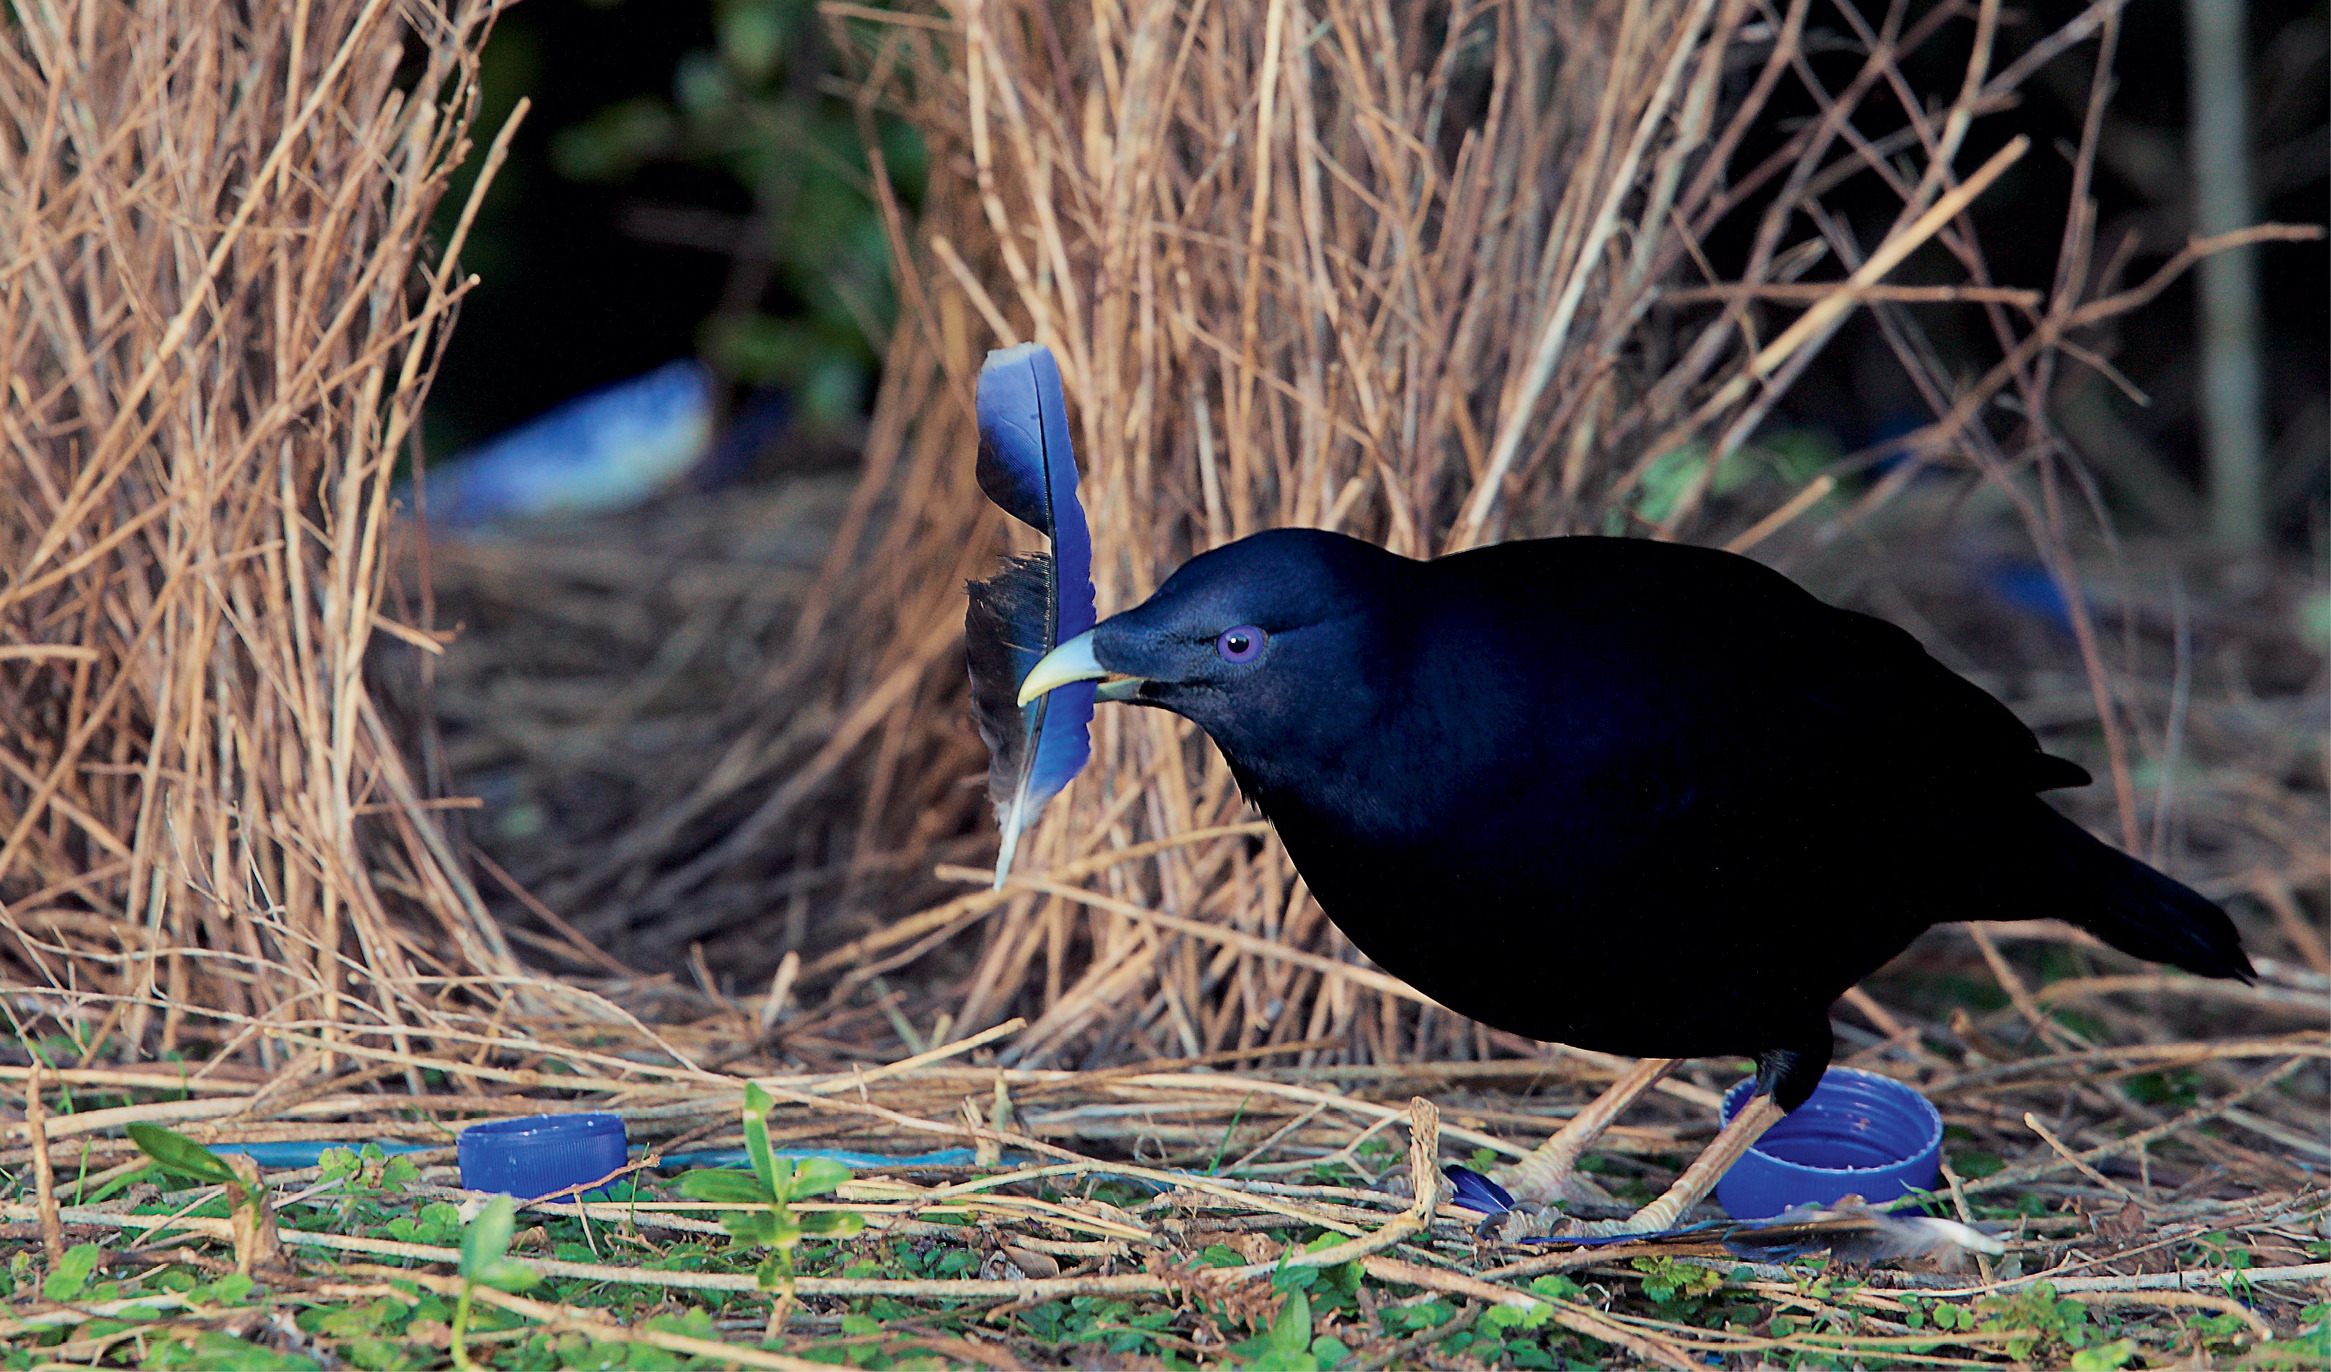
[1600,1229]
[1525,1221]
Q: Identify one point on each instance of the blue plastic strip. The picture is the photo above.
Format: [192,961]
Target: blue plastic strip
[855,1161]
[309,1152]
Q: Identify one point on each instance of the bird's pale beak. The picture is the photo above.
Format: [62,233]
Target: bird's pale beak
[1071,661]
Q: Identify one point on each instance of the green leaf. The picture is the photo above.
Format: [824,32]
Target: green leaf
[488,1236]
[204,1351]
[756,1227]
[352,1321]
[232,1289]
[1286,1346]
[72,1272]
[838,1224]
[179,1154]
[752,38]
[1291,1332]
[694,1324]
[1975,1163]
[505,1274]
[723,1186]
[615,141]
[816,1177]
[756,1121]
[2105,1357]
[1555,1286]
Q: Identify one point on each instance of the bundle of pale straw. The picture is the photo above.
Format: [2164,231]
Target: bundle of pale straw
[219,323]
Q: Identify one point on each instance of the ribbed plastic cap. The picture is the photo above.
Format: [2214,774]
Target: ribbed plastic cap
[1860,1135]
[533,1156]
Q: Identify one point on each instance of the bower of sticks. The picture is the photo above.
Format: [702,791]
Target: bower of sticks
[315,826]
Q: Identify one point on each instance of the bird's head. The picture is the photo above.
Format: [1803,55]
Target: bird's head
[1264,643]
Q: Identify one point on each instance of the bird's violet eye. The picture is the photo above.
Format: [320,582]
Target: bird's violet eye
[1240,645]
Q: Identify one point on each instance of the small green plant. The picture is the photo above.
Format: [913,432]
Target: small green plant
[2035,1320]
[1670,1282]
[251,1218]
[774,1185]
[484,1261]
[1287,1346]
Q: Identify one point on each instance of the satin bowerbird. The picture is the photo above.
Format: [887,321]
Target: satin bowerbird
[1636,797]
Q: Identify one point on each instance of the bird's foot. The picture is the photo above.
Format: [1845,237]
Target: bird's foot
[1644,1221]
[1672,1208]
[1597,1229]
[1525,1221]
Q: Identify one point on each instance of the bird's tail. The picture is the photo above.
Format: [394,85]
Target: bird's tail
[2141,911]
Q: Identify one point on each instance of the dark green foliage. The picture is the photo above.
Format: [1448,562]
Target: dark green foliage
[759,107]
[206,1351]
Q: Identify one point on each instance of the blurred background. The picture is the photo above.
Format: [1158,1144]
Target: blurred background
[700,181]
[691,181]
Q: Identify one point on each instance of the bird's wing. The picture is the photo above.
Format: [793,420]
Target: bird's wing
[1902,689]
[1594,682]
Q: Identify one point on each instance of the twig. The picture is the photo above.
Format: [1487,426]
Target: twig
[2017,1176]
[44,1181]
[2032,1122]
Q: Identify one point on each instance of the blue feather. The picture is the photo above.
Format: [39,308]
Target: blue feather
[1476,1192]
[1027,466]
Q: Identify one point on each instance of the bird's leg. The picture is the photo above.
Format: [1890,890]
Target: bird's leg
[1782,1074]
[1761,1113]
[1550,1172]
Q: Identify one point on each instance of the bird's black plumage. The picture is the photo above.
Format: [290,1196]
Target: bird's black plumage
[1631,796]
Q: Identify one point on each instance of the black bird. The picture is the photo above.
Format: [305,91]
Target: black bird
[1636,797]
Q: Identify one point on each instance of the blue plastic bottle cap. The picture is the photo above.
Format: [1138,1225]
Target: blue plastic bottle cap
[535,1155]
[1860,1135]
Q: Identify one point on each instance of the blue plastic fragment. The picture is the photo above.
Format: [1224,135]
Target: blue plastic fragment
[605,450]
[2031,588]
[855,1161]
